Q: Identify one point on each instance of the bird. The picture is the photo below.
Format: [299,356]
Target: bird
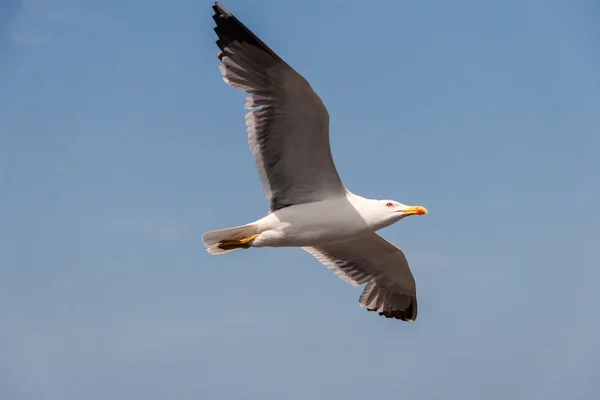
[309,206]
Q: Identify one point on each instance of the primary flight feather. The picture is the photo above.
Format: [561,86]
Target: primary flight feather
[288,133]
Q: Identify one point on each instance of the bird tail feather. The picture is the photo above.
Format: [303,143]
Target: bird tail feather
[230,239]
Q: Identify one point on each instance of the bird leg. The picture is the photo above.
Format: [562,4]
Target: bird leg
[243,243]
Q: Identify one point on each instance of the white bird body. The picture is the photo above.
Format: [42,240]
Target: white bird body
[328,221]
[288,133]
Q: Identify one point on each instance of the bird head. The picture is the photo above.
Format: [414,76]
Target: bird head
[393,211]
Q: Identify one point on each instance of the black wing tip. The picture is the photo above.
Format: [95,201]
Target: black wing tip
[221,16]
[221,11]
[229,29]
[409,314]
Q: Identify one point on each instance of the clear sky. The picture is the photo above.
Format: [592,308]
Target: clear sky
[120,145]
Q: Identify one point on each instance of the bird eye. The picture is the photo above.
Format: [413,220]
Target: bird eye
[389,205]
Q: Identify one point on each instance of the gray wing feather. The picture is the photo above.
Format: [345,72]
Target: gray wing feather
[390,289]
[288,128]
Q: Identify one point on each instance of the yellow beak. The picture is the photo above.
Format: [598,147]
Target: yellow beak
[414,210]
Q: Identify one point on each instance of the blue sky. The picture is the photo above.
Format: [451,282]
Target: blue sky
[120,145]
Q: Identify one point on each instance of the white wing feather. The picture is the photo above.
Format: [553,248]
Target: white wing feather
[390,289]
[288,130]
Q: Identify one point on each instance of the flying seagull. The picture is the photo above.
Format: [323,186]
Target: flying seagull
[288,134]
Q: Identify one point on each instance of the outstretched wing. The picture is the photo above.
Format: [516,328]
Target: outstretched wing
[288,130]
[390,288]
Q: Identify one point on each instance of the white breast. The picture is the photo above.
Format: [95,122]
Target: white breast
[328,221]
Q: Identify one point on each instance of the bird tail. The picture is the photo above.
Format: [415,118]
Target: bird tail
[230,239]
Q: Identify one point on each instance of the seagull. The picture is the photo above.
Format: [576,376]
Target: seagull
[309,207]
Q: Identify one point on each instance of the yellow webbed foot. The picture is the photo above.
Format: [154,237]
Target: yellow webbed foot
[243,243]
